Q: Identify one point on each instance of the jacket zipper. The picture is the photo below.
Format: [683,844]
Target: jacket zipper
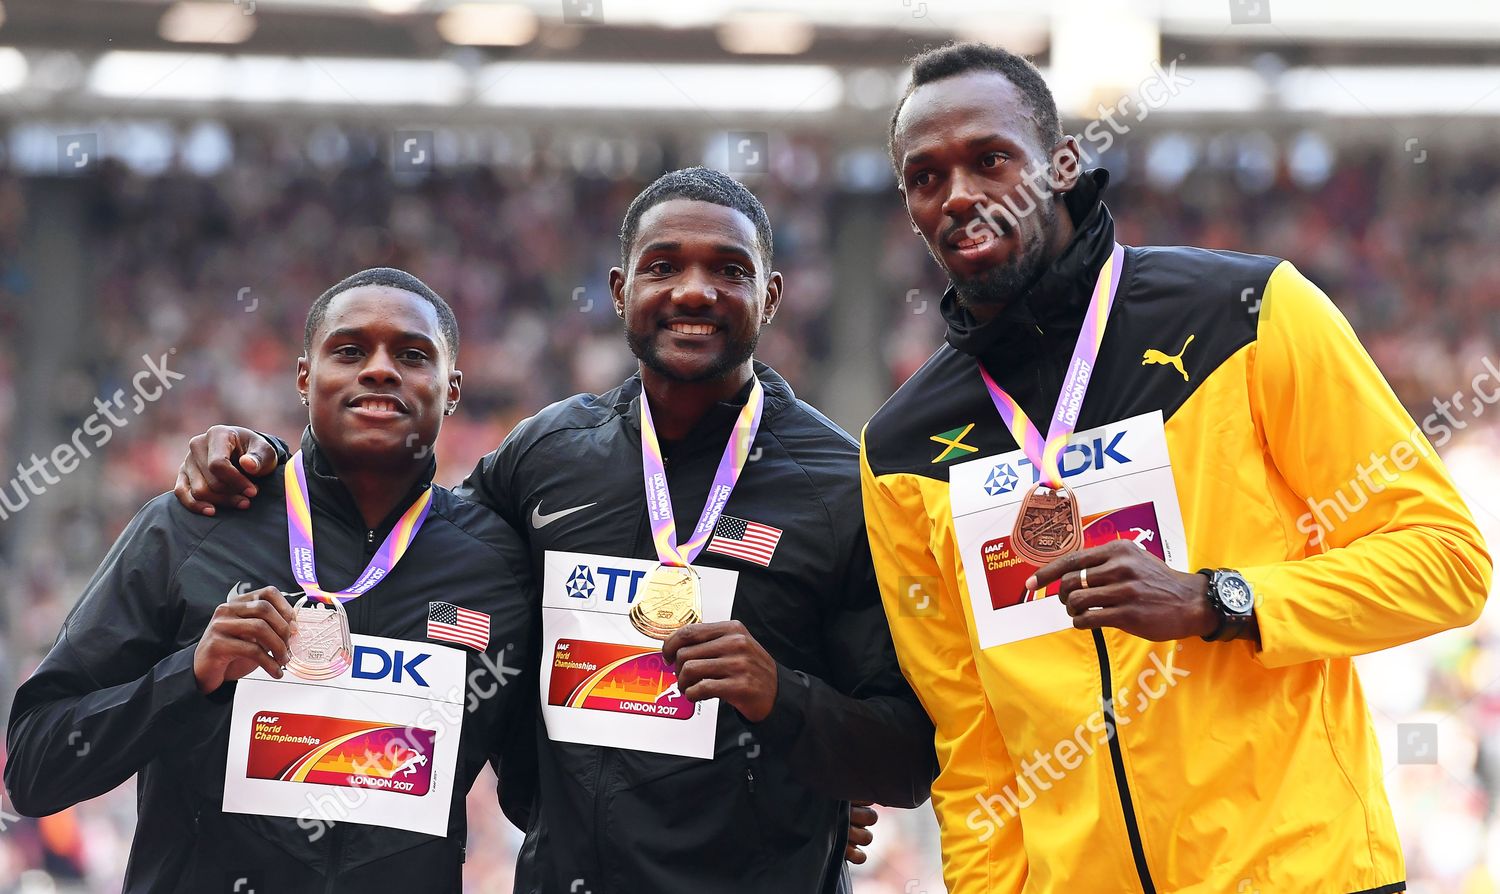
[1117,758]
[1116,755]
[335,855]
[359,609]
[604,761]
[336,834]
[606,755]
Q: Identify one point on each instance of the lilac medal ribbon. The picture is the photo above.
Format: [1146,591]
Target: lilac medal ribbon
[659,499]
[300,538]
[1046,453]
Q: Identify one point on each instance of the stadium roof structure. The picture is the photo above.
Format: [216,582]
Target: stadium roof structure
[829,66]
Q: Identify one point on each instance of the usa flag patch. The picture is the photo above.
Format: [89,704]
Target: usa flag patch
[458,625]
[748,540]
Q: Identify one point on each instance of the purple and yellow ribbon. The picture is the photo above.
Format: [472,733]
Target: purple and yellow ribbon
[659,499]
[1045,454]
[300,538]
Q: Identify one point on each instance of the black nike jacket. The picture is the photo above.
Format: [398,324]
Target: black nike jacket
[116,695]
[769,812]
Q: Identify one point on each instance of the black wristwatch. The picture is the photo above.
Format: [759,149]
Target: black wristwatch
[1232,600]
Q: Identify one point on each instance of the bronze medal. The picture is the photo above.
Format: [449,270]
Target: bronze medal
[1047,525]
[320,647]
[672,601]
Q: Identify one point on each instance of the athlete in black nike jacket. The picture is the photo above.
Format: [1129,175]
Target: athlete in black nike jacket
[141,679]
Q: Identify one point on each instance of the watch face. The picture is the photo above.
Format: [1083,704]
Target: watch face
[1234,593]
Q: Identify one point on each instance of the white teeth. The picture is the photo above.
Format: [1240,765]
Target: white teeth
[692,328]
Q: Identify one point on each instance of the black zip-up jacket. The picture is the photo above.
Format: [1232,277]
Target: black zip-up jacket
[769,813]
[116,695]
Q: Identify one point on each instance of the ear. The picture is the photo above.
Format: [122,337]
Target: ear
[772,298]
[1066,167]
[455,382]
[617,290]
[304,376]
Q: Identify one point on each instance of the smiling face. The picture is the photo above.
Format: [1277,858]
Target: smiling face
[378,378]
[695,290]
[970,142]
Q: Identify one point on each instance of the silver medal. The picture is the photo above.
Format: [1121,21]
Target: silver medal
[320,647]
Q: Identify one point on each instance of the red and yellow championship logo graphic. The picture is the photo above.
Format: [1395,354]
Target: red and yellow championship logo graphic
[614,677]
[1006,571]
[334,751]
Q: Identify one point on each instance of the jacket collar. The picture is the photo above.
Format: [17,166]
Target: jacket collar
[711,429]
[328,493]
[1057,302]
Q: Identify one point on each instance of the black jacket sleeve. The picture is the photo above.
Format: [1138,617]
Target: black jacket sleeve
[282,448]
[862,735]
[516,759]
[515,735]
[113,690]
[489,484]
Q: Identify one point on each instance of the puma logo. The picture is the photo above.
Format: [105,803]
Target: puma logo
[1152,355]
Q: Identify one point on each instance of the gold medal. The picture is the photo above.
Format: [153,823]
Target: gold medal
[320,647]
[672,601]
[1047,525]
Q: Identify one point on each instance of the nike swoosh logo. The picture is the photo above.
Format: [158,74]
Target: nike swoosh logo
[538,520]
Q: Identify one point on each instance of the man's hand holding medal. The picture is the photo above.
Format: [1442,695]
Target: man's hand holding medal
[1118,584]
[722,660]
[249,630]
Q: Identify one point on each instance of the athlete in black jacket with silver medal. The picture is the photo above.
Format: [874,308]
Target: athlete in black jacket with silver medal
[143,676]
[633,794]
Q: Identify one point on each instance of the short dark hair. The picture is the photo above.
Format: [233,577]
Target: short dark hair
[700,185]
[955,59]
[395,279]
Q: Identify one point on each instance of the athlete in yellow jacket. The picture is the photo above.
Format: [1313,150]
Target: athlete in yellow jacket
[1184,737]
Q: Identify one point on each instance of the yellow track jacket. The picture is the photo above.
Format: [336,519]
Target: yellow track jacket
[1232,768]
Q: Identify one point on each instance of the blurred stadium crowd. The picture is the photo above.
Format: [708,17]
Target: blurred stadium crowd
[222,269]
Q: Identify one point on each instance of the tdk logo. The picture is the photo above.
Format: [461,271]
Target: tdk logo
[620,582]
[1075,460]
[1002,480]
[371,663]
